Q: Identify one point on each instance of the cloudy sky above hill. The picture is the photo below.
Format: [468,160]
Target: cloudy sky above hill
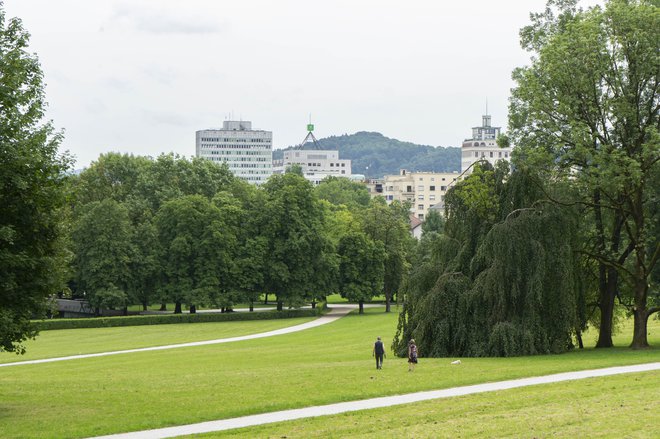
[143,76]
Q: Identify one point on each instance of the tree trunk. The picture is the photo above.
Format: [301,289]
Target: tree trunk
[144,306]
[387,302]
[251,305]
[266,299]
[578,335]
[361,303]
[124,311]
[193,309]
[177,307]
[640,333]
[606,305]
[163,307]
[313,304]
[280,305]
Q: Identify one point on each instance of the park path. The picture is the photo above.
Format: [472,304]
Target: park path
[387,401]
[336,312]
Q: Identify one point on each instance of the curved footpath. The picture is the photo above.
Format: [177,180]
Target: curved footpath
[387,401]
[336,312]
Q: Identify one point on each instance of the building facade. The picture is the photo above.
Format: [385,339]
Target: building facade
[422,189]
[247,152]
[482,146]
[315,164]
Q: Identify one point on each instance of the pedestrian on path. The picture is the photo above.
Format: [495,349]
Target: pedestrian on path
[412,355]
[379,353]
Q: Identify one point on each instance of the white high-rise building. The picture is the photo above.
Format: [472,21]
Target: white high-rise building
[316,164]
[483,146]
[247,152]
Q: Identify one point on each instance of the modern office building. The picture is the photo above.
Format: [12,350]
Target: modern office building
[422,189]
[315,164]
[247,152]
[482,146]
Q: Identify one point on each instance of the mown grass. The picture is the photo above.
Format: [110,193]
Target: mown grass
[617,406]
[331,363]
[66,342]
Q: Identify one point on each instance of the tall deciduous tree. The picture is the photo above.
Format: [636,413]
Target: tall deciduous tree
[361,267]
[103,250]
[587,110]
[32,259]
[292,224]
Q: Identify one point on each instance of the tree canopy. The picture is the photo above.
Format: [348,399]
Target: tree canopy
[32,191]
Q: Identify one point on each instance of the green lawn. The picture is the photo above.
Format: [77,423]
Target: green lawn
[64,342]
[617,406]
[331,363]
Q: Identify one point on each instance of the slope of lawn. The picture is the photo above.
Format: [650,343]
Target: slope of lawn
[327,364]
[64,342]
[617,406]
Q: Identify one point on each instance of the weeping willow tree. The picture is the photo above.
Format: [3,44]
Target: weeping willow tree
[503,280]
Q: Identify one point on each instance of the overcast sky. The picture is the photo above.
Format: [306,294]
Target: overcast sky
[142,76]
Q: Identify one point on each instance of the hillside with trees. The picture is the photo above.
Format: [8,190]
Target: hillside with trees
[375,155]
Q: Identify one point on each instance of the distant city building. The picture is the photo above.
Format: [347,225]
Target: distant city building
[315,164]
[483,146]
[422,189]
[247,152]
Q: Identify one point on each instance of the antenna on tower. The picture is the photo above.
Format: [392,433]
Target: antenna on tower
[310,135]
[486,106]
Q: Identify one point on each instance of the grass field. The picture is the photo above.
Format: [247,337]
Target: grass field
[327,364]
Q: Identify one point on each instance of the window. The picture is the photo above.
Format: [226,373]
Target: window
[476,153]
[506,154]
[389,197]
[443,188]
[432,197]
[500,154]
[491,154]
[431,188]
[420,216]
[420,197]
[408,188]
[420,187]
[420,207]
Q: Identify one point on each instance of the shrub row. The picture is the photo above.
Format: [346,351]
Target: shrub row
[164,319]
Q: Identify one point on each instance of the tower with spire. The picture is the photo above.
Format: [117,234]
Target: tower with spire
[483,145]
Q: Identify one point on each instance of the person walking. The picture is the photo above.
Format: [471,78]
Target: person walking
[412,355]
[379,353]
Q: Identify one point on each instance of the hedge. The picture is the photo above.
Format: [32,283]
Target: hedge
[165,319]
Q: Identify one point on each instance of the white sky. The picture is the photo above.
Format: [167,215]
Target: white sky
[142,76]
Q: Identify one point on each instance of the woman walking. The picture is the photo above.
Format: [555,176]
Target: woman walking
[412,355]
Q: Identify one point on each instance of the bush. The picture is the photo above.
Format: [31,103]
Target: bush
[165,319]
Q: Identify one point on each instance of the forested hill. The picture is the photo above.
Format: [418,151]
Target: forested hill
[375,155]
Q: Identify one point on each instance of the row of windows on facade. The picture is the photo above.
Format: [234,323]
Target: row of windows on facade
[419,197]
[419,188]
[227,139]
[332,165]
[242,159]
[433,179]
[206,147]
[483,154]
[264,152]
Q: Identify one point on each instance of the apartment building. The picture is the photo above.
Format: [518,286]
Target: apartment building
[421,189]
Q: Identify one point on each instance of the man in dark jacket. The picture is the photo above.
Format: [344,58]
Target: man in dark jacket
[379,353]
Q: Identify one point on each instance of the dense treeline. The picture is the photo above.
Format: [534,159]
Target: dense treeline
[173,230]
[525,261]
[375,155]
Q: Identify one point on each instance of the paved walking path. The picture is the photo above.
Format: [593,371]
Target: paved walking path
[387,401]
[336,312]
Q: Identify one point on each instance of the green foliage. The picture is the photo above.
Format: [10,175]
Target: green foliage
[361,267]
[32,257]
[342,191]
[503,281]
[586,111]
[434,222]
[103,251]
[375,155]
